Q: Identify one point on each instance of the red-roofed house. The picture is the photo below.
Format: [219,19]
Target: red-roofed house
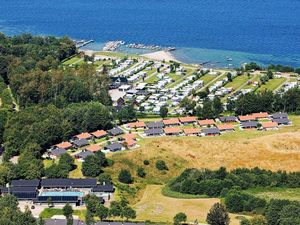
[247,118]
[171,122]
[100,134]
[269,125]
[261,115]
[205,123]
[137,124]
[225,127]
[130,143]
[129,136]
[172,130]
[83,136]
[192,131]
[93,148]
[188,119]
[64,145]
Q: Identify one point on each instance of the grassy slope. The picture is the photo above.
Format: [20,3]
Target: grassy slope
[237,82]
[272,84]
[277,193]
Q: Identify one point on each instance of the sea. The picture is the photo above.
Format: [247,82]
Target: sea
[203,31]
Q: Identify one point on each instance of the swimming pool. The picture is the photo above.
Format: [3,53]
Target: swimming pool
[62,193]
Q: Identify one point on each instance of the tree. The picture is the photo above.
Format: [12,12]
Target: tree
[92,202]
[128,213]
[290,214]
[49,202]
[102,212]
[141,172]
[146,162]
[105,178]
[229,77]
[218,215]
[92,165]
[68,212]
[161,165]
[125,177]
[273,210]
[163,112]
[179,218]
[89,218]
[66,162]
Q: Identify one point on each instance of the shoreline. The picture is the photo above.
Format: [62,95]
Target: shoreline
[161,55]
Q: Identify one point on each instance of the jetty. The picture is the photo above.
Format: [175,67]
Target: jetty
[112,45]
[81,43]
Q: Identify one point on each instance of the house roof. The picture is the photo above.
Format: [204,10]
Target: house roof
[188,119]
[172,130]
[269,124]
[279,115]
[115,131]
[191,131]
[152,125]
[14,190]
[84,154]
[130,142]
[225,127]
[171,121]
[225,119]
[83,136]
[156,131]
[93,148]
[64,145]
[260,115]
[81,142]
[249,124]
[103,188]
[114,147]
[281,120]
[137,124]
[206,122]
[129,136]
[247,118]
[212,130]
[25,183]
[67,182]
[58,151]
[99,133]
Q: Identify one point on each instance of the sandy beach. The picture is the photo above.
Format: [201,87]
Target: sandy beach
[161,55]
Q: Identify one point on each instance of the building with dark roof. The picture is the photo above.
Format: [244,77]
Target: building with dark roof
[25,183]
[83,154]
[249,124]
[282,121]
[81,143]
[155,125]
[279,115]
[103,188]
[24,193]
[57,152]
[228,119]
[114,147]
[115,131]
[211,131]
[68,183]
[154,132]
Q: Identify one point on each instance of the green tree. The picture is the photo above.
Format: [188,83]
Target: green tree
[161,165]
[218,215]
[128,213]
[163,112]
[102,212]
[179,218]
[141,172]
[68,213]
[125,177]
[105,178]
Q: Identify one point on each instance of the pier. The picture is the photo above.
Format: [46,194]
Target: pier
[81,43]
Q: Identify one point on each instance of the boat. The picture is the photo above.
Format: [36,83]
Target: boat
[228,58]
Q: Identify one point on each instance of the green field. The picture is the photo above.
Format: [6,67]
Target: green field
[49,212]
[207,78]
[272,84]
[237,82]
[75,59]
[276,193]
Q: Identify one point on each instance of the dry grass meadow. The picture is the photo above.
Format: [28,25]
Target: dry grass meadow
[158,208]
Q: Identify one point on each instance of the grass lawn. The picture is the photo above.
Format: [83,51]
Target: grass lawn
[77,172]
[48,162]
[152,79]
[207,78]
[49,212]
[276,193]
[156,207]
[237,82]
[166,191]
[272,84]
[72,60]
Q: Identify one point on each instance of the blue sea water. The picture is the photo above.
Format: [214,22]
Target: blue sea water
[266,31]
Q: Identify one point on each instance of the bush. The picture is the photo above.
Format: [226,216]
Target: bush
[146,162]
[105,178]
[141,172]
[125,177]
[161,165]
